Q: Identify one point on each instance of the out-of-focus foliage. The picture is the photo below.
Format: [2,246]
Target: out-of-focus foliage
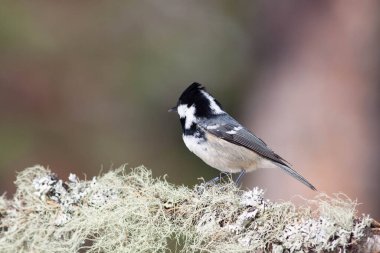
[85,84]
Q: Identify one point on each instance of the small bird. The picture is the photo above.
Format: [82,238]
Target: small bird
[222,142]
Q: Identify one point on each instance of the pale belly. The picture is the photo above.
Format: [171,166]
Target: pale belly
[225,156]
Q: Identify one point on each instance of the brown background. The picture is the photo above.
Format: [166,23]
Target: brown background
[85,86]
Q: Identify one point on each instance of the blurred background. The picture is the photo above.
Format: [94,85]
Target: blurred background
[85,86]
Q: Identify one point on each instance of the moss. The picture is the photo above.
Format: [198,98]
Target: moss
[129,211]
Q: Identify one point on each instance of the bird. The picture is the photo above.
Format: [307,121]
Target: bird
[221,141]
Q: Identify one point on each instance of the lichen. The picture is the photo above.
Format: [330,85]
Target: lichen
[130,211]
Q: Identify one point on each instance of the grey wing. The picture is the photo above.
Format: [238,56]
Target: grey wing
[235,133]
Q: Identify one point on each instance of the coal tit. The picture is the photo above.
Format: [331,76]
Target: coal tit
[222,142]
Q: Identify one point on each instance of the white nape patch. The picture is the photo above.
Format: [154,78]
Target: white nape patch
[214,107]
[231,132]
[188,113]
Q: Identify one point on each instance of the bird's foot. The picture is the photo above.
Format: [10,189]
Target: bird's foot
[239,178]
[218,179]
[200,188]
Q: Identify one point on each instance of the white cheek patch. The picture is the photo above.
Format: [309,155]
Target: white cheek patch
[181,110]
[188,113]
[214,106]
[190,117]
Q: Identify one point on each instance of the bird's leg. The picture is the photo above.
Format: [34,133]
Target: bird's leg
[240,177]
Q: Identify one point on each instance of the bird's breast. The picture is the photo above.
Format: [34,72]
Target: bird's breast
[221,154]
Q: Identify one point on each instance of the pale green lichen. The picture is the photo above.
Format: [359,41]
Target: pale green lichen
[130,211]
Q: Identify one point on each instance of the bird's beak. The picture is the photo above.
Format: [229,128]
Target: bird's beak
[174,109]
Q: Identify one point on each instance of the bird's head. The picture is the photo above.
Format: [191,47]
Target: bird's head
[195,103]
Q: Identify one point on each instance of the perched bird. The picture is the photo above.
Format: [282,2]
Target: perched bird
[222,142]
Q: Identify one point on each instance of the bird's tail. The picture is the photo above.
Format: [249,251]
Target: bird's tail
[295,174]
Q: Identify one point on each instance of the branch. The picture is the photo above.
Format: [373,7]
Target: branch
[123,211]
